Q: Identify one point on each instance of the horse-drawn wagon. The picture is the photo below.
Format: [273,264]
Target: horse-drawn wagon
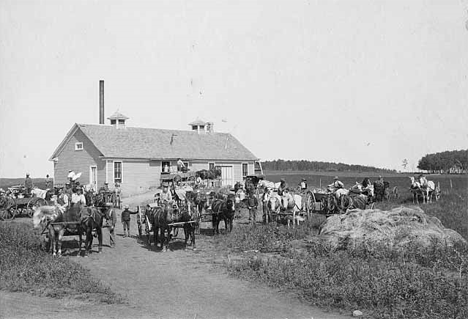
[164,219]
[15,203]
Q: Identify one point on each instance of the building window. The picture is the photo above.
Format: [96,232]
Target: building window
[113,122]
[166,167]
[78,146]
[245,169]
[211,166]
[118,172]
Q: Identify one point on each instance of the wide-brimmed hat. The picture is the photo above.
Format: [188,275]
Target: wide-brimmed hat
[282,180]
[336,177]
[126,207]
[165,184]
[304,180]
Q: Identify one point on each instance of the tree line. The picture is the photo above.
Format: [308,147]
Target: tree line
[455,162]
[303,165]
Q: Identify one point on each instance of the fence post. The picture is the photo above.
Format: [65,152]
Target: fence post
[451,186]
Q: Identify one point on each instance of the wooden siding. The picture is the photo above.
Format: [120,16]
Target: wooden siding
[78,161]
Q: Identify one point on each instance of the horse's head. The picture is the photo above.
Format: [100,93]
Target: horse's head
[414,184]
[274,203]
[230,203]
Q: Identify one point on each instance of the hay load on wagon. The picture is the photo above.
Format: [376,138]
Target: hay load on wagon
[397,228]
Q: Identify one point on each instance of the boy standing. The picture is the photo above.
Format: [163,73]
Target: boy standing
[125,217]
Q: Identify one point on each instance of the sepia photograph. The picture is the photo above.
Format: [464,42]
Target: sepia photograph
[249,159]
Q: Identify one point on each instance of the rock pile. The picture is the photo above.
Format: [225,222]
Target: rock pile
[396,228]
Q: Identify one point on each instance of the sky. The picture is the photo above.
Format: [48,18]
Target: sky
[357,82]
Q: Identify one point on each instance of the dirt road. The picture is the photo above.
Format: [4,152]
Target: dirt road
[175,284]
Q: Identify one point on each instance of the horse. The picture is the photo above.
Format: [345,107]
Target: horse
[428,188]
[92,219]
[161,217]
[273,207]
[190,220]
[213,173]
[416,189]
[293,204]
[223,209]
[55,218]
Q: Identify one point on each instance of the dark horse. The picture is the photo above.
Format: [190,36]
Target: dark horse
[223,209]
[213,173]
[162,218]
[91,219]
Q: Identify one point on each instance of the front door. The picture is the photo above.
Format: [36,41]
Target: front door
[227,175]
[93,177]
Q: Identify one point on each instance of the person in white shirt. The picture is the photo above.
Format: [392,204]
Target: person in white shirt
[78,197]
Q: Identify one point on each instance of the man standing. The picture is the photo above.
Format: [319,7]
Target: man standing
[252,204]
[48,182]
[125,217]
[303,184]
[28,185]
[265,199]
[112,220]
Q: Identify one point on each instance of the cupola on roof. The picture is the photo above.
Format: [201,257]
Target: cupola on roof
[118,116]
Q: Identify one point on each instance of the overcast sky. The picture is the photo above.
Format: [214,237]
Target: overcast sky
[357,82]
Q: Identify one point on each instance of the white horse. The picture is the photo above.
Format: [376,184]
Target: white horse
[293,203]
[416,189]
[429,189]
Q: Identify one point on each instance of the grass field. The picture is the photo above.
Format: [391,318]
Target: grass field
[418,283]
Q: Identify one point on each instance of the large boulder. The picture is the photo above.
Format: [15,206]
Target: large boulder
[396,228]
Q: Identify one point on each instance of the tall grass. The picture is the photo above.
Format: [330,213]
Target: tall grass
[24,267]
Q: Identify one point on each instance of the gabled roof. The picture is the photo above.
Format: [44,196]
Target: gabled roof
[147,143]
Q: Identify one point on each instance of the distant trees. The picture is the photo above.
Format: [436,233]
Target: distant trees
[445,162]
[302,165]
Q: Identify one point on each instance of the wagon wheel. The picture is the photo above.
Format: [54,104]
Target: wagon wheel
[9,211]
[323,205]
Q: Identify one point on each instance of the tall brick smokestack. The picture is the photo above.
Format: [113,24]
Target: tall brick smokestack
[101,101]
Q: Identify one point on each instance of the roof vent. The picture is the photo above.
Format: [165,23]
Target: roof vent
[118,120]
